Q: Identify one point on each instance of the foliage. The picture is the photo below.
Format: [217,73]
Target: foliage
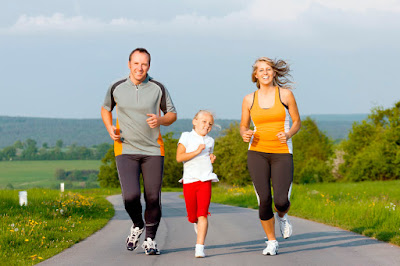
[51,222]
[76,175]
[372,150]
[172,170]
[312,150]
[231,153]
[368,208]
[108,175]
[29,151]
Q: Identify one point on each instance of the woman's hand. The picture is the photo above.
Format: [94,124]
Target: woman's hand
[246,136]
[283,136]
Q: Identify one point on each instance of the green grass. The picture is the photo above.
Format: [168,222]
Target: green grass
[368,208]
[51,222]
[28,174]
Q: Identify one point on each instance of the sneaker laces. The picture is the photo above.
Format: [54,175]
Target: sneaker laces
[149,244]
[285,225]
[133,237]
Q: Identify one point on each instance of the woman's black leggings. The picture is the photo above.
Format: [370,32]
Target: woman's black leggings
[267,167]
[129,167]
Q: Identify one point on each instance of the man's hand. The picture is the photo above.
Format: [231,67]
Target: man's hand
[153,120]
[112,130]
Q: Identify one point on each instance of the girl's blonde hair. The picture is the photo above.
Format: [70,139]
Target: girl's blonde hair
[206,112]
[281,69]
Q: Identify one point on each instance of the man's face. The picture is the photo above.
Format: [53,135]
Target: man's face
[139,66]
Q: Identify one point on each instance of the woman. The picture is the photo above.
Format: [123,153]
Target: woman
[269,157]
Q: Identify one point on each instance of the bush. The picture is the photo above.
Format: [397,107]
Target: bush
[312,151]
[172,169]
[108,175]
[371,151]
[231,153]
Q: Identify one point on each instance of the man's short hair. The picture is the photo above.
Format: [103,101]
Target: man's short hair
[140,50]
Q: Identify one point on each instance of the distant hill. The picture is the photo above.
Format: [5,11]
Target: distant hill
[89,132]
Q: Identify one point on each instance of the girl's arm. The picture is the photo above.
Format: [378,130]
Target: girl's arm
[182,156]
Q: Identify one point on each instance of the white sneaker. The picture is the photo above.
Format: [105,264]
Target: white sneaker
[285,225]
[272,248]
[199,253]
[150,247]
[132,241]
[195,227]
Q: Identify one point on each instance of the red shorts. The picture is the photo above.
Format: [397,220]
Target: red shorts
[197,198]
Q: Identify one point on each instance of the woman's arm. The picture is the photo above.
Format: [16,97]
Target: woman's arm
[245,132]
[290,101]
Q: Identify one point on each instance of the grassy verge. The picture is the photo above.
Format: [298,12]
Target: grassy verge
[51,222]
[368,208]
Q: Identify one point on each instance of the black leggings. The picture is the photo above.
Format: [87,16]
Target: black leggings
[267,167]
[129,168]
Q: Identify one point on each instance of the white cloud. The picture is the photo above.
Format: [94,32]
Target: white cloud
[289,15]
[57,21]
[362,6]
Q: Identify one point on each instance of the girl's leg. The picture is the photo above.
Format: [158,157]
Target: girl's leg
[189,193]
[203,203]
[202,227]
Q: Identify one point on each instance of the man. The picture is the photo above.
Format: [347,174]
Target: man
[138,145]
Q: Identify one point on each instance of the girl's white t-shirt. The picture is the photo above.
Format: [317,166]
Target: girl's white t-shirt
[200,167]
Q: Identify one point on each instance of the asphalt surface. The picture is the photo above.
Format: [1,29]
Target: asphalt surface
[235,237]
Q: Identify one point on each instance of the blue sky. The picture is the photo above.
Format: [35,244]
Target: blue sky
[59,57]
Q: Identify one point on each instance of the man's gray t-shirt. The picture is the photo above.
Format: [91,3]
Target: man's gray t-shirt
[133,103]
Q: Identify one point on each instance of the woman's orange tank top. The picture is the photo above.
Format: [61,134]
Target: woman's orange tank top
[268,122]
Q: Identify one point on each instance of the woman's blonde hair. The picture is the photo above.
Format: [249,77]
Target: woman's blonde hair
[281,69]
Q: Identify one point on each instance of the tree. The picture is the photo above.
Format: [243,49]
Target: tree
[9,152]
[312,150]
[231,152]
[108,175]
[30,150]
[372,150]
[59,144]
[172,169]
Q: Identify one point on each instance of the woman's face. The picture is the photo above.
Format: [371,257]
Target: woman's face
[264,73]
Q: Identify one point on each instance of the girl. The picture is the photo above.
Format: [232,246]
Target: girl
[195,150]
[269,158]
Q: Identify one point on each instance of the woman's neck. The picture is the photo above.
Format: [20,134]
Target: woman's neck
[267,87]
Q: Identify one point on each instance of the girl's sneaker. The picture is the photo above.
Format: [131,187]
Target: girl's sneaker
[272,248]
[132,241]
[150,247]
[199,253]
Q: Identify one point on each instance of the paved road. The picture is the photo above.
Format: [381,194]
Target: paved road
[235,238]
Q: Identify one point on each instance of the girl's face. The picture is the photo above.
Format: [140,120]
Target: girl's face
[203,123]
[265,73]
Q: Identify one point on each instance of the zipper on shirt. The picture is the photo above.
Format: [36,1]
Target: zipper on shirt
[137,93]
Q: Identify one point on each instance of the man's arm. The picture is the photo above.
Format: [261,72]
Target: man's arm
[166,120]
[107,120]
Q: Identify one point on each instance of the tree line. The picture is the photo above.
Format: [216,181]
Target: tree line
[371,151]
[28,150]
